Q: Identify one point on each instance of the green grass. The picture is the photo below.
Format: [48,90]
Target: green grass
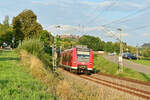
[16,83]
[143,62]
[105,66]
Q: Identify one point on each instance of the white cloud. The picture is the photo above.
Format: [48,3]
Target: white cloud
[90,3]
[42,3]
[73,29]
[129,5]
[76,29]
[98,4]
[145,35]
[117,5]
[56,3]
[125,34]
[107,3]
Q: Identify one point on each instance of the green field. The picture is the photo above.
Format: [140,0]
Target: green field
[143,62]
[105,66]
[16,83]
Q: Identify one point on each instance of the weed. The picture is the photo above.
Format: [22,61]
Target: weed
[105,66]
[16,83]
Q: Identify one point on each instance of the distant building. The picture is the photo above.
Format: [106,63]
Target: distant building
[69,36]
[99,52]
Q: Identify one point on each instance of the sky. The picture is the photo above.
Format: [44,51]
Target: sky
[100,18]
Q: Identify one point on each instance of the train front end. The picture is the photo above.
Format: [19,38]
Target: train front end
[83,59]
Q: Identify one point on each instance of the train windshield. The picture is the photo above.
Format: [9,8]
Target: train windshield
[83,56]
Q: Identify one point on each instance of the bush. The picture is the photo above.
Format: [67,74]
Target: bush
[46,59]
[37,48]
[146,53]
[33,46]
[48,49]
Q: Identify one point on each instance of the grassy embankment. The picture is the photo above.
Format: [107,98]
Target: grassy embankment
[105,66]
[16,82]
[62,85]
[33,56]
[143,62]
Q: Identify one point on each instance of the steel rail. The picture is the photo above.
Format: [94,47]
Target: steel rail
[131,88]
[125,79]
[116,87]
[120,87]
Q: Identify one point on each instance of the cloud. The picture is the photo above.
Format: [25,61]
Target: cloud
[73,29]
[89,3]
[129,5]
[85,30]
[54,3]
[145,35]
[125,34]
[42,3]
[114,5]
[97,4]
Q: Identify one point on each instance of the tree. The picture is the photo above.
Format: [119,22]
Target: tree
[117,47]
[6,21]
[18,33]
[25,25]
[6,32]
[92,42]
[65,43]
[7,36]
[46,37]
[109,47]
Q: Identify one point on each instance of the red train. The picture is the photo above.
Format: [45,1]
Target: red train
[79,60]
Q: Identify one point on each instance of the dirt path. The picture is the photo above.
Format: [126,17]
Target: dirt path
[129,64]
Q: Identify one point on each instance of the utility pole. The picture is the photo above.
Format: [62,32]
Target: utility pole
[120,65]
[120,60]
[13,42]
[54,53]
[83,29]
[79,28]
[137,51]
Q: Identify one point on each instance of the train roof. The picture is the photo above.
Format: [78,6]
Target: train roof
[78,49]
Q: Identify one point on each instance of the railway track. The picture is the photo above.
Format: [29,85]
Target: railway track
[131,90]
[123,84]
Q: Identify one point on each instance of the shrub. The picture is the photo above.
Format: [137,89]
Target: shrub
[33,46]
[146,53]
[46,59]
[37,48]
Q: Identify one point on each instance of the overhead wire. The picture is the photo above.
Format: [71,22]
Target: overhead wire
[133,14]
[81,27]
[102,11]
[95,9]
[106,9]
[125,18]
[138,28]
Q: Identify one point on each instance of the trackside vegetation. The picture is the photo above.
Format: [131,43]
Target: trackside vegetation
[105,66]
[142,61]
[16,82]
[33,46]
[62,86]
[36,48]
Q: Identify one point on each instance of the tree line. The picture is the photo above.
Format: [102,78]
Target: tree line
[24,26]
